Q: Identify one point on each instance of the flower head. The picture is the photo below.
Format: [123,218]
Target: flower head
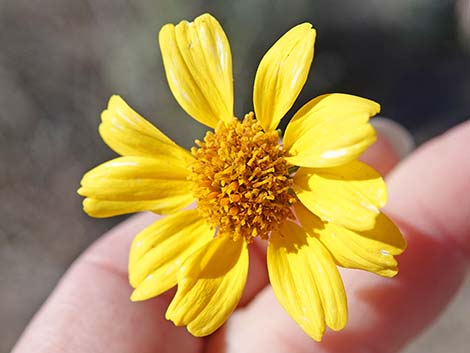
[305,193]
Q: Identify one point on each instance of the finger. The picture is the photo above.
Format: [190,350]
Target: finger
[90,310]
[429,201]
[436,182]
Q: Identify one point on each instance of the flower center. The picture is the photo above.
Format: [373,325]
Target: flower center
[241,179]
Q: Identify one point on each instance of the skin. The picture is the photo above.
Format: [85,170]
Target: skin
[89,311]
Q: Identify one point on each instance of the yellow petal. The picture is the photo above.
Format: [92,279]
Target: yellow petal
[133,184]
[158,252]
[371,251]
[281,75]
[330,130]
[105,208]
[129,134]
[306,281]
[349,195]
[198,66]
[210,285]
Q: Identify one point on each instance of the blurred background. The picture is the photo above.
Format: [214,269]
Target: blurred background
[60,60]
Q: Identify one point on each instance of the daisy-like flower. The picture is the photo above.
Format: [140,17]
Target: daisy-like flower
[306,194]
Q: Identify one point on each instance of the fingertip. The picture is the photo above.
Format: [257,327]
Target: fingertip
[397,135]
[432,186]
[394,142]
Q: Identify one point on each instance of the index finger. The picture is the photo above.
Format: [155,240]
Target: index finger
[90,310]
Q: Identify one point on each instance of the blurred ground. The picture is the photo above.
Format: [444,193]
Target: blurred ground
[60,60]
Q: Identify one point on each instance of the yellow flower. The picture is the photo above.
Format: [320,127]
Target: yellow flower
[309,197]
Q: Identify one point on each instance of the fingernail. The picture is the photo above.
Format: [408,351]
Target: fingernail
[401,139]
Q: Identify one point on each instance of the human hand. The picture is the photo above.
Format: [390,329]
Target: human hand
[90,309]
